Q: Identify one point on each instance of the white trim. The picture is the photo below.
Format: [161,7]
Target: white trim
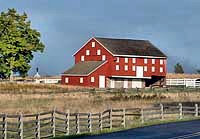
[88,73]
[125,67]
[87,53]
[140,56]
[92,79]
[117,67]
[93,44]
[81,79]
[82,46]
[111,52]
[131,77]
[103,57]
[99,52]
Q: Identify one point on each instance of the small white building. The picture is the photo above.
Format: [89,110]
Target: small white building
[48,79]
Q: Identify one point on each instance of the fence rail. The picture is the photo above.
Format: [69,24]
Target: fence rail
[183,82]
[52,123]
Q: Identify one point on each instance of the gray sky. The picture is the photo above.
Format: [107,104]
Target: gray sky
[65,25]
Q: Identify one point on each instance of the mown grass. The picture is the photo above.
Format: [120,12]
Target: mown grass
[138,125]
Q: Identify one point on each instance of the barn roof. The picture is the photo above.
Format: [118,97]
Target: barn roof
[84,68]
[130,47]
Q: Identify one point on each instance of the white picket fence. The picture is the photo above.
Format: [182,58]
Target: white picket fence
[183,82]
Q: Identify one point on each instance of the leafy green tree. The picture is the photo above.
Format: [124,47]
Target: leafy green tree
[178,68]
[18,42]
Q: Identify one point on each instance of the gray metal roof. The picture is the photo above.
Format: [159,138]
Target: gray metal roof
[84,68]
[130,47]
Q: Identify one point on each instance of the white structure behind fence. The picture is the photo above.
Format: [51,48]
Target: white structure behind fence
[195,83]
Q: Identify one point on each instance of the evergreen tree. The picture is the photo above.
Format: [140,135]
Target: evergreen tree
[178,68]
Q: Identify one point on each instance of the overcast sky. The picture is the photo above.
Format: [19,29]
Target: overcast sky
[172,25]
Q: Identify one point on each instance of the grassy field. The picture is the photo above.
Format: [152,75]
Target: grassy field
[32,98]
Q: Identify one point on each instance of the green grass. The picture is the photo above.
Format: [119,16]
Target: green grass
[138,125]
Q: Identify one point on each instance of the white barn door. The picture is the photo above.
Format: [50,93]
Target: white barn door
[125,83]
[101,81]
[112,83]
[139,71]
[136,84]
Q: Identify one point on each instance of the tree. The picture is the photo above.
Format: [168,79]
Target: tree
[18,42]
[178,68]
[198,71]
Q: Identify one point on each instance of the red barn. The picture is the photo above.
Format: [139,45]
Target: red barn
[117,63]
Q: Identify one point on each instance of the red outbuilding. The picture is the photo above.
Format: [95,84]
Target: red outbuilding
[117,63]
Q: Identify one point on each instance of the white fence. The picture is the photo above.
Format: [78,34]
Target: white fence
[183,82]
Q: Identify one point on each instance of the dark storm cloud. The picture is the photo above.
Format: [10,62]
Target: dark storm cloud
[65,25]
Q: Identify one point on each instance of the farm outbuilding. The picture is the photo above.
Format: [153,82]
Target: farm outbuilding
[117,63]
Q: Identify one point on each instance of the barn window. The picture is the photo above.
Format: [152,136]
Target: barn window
[87,52]
[98,52]
[153,61]
[92,79]
[133,68]
[161,69]
[82,58]
[145,68]
[117,60]
[126,67]
[126,60]
[103,57]
[145,61]
[161,61]
[81,80]
[153,69]
[67,80]
[117,67]
[93,44]
[133,60]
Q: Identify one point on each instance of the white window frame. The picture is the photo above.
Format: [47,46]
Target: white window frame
[66,80]
[117,67]
[133,68]
[145,61]
[161,61]
[103,57]
[81,80]
[117,60]
[153,61]
[82,58]
[126,60]
[98,52]
[92,79]
[145,68]
[93,44]
[125,67]
[153,69]
[134,60]
[161,69]
[87,52]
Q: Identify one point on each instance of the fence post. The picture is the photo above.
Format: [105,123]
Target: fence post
[4,132]
[196,110]
[162,111]
[124,117]
[53,122]
[77,124]
[20,127]
[90,122]
[180,110]
[67,122]
[37,126]
[110,115]
[100,121]
[142,115]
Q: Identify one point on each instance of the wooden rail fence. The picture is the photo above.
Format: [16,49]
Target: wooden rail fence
[53,123]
